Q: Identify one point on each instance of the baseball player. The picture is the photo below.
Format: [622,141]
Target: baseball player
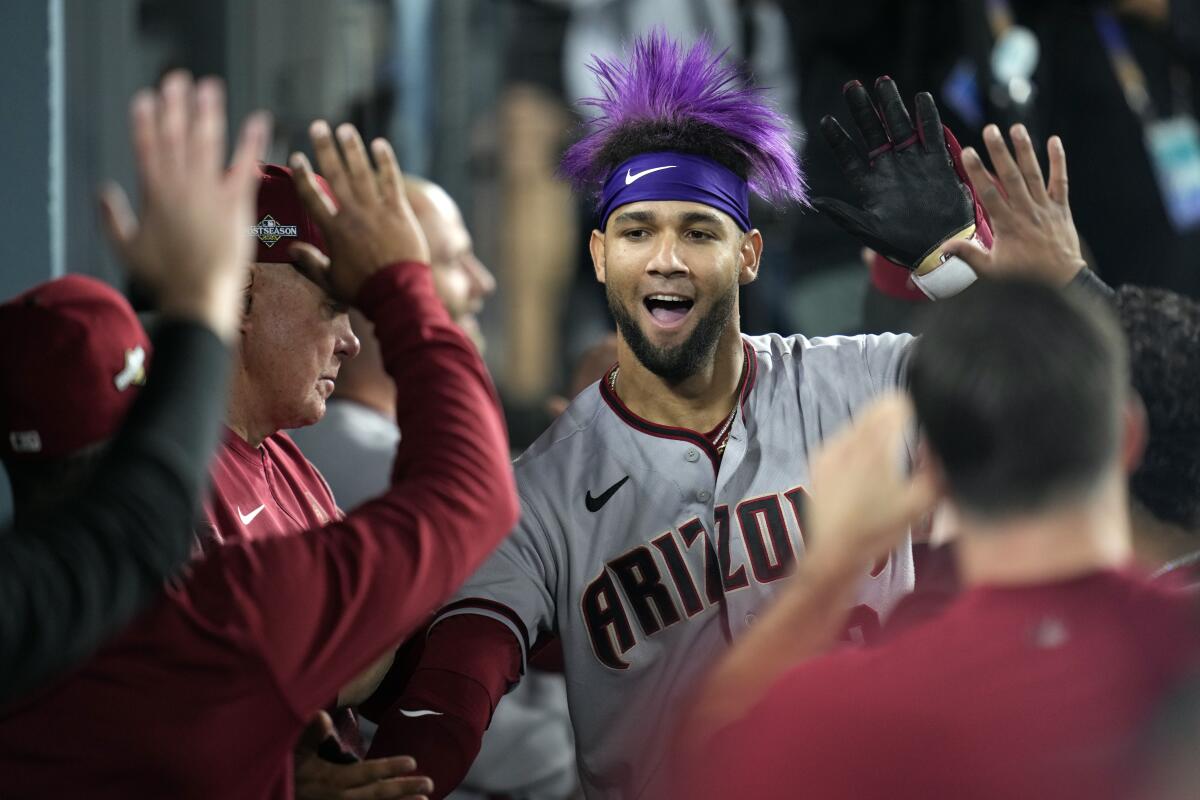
[662,509]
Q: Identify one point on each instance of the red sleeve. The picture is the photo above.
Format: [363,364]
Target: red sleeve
[319,606]
[468,663]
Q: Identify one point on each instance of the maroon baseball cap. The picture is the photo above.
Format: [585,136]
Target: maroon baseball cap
[281,219]
[74,358]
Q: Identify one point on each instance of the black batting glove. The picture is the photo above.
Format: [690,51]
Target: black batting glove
[912,198]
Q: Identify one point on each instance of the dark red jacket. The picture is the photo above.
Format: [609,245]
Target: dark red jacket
[206,693]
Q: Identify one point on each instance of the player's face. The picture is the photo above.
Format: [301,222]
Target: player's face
[671,271]
[295,340]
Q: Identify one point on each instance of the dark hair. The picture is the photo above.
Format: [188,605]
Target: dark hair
[1163,330]
[680,136]
[1020,391]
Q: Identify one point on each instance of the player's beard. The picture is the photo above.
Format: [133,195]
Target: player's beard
[679,362]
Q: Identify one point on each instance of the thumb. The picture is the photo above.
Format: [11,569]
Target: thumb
[971,252]
[314,265]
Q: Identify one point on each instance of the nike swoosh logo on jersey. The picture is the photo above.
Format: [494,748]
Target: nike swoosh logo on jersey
[630,177]
[421,712]
[248,518]
[594,504]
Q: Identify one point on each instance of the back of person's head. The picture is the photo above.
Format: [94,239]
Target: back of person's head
[1163,330]
[1020,391]
[75,358]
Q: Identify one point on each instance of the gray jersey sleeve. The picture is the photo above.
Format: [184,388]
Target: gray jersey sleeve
[515,585]
[840,373]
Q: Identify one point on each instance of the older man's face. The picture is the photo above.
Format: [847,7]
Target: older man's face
[295,340]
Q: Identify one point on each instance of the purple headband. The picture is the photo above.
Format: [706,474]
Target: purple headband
[676,176]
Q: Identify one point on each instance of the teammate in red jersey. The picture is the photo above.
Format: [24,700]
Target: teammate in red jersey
[1037,681]
[294,338]
[207,692]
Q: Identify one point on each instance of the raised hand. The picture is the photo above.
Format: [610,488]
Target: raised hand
[862,501]
[371,225]
[191,244]
[1034,232]
[912,198]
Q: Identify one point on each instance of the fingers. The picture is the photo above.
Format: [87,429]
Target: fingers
[844,149]
[376,778]
[251,150]
[865,117]
[391,180]
[363,773]
[318,204]
[1027,162]
[143,122]
[175,114]
[120,223]
[895,115]
[994,203]
[929,122]
[362,177]
[1057,187]
[845,215]
[329,161]
[393,787]
[206,148]
[312,264]
[1006,168]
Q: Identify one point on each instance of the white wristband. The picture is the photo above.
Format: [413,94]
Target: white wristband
[946,279]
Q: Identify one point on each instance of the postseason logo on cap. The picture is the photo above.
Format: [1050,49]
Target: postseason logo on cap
[269,232]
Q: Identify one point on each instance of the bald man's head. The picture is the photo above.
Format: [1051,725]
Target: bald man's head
[461,279]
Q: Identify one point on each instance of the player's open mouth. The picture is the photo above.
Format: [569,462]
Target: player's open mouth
[668,310]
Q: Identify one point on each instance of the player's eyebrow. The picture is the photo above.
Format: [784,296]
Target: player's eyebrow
[644,217]
[699,218]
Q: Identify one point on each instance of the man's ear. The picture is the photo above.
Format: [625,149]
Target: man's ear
[1134,433]
[248,298]
[751,256]
[596,248]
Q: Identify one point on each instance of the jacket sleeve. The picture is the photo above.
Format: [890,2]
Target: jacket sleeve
[70,579]
[468,663]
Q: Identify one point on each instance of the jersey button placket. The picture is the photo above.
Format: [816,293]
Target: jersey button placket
[692,455]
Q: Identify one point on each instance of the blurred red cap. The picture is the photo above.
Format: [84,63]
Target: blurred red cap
[281,219]
[74,357]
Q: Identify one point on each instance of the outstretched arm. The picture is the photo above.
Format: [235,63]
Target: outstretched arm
[860,508]
[72,579]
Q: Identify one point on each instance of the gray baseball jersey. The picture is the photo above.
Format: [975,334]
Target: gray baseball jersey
[647,554]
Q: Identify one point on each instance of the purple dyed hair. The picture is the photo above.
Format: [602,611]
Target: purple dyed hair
[663,83]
